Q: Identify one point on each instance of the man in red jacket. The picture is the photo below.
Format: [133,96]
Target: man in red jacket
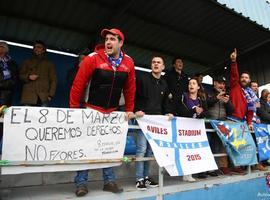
[111,71]
[241,94]
[244,100]
[242,97]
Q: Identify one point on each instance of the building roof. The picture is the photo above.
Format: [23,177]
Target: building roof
[202,32]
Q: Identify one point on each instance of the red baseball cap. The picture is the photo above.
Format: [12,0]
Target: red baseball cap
[113,31]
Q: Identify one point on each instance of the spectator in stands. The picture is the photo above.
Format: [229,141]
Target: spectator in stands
[264,110]
[242,96]
[151,95]
[264,93]
[219,107]
[256,119]
[177,82]
[193,105]
[39,78]
[255,87]
[8,78]
[8,75]
[73,71]
[199,77]
[203,87]
[218,101]
[110,71]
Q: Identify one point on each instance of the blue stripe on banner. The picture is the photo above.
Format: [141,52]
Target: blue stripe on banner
[177,151]
[148,137]
[182,145]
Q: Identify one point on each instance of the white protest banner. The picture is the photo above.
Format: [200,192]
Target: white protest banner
[61,134]
[179,145]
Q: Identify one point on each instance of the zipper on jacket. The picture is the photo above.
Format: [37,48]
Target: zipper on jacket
[111,89]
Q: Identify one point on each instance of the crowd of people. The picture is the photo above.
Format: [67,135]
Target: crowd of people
[101,77]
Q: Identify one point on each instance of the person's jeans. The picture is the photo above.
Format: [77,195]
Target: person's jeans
[82,176]
[143,150]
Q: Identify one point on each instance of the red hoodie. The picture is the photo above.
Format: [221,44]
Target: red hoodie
[106,83]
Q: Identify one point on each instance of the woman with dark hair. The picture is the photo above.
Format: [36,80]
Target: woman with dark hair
[194,105]
[193,102]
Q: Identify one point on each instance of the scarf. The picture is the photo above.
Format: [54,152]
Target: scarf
[251,98]
[191,103]
[4,67]
[115,62]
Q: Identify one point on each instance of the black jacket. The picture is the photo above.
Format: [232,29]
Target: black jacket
[264,112]
[177,85]
[7,86]
[186,112]
[151,94]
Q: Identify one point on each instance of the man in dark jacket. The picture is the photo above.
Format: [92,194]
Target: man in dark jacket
[177,82]
[39,78]
[151,94]
[218,101]
[264,110]
[8,77]
[219,107]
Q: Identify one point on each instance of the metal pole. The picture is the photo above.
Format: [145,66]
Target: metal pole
[160,182]
[249,169]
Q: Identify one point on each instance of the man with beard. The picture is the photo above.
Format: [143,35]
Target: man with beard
[38,76]
[242,96]
[111,71]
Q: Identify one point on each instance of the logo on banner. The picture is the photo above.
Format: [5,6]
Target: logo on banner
[237,141]
[232,134]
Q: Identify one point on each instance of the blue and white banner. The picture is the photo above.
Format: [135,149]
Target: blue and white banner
[179,145]
[262,133]
[238,142]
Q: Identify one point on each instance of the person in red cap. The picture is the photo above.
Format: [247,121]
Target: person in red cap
[111,71]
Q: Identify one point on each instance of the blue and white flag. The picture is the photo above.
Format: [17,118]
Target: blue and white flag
[262,133]
[180,145]
[238,142]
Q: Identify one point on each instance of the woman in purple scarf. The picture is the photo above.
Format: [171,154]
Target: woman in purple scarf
[193,102]
[193,106]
